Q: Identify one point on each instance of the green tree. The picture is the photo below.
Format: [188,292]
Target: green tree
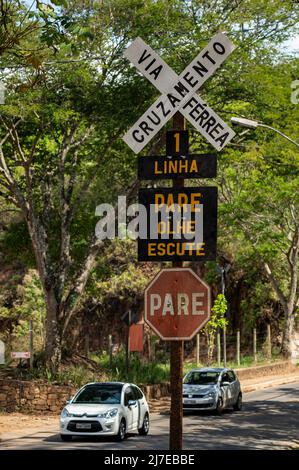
[259,186]
[217,322]
[61,152]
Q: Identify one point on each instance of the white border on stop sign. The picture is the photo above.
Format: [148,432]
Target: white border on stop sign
[180,270]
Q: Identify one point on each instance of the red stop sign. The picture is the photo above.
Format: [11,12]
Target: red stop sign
[177,304]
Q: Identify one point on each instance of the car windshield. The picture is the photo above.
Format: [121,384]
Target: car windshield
[201,378]
[106,394]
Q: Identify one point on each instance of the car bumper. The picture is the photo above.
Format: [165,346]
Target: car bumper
[199,404]
[96,427]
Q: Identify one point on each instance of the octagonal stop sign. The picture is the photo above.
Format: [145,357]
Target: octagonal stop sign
[177,304]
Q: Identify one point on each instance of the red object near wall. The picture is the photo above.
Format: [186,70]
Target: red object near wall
[136,337]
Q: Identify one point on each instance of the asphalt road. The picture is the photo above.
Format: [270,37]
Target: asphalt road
[269,420]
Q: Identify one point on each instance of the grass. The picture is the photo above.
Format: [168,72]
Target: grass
[245,361]
[72,375]
[140,371]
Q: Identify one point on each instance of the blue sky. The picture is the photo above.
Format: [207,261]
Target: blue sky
[292,45]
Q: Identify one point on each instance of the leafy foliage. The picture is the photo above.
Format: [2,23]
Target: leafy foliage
[73,95]
[216,322]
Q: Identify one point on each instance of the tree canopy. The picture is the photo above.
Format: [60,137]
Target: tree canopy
[70,97]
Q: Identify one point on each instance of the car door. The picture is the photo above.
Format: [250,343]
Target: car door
[131,411]
[234,386]
[226,392]
[141,404]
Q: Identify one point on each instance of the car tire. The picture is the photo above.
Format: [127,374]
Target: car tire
[238,404]
[219,407]
[65,438]
[143,431]
[121,435]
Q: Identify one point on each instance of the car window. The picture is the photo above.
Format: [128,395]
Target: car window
[138,393]
[129,395]
[231,376]
[225,377]
[201,378]
[100,394]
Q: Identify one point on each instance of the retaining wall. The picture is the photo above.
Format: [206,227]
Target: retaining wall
[35,397]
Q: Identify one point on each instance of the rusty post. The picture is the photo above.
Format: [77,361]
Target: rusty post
[176,350]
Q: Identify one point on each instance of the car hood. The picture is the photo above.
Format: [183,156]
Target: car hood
[88,409]
[199,388]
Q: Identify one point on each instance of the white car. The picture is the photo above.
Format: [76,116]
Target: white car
[105,409]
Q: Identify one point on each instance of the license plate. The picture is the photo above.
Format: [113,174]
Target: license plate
[83,426]
[190,402]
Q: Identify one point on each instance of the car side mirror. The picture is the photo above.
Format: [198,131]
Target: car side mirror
[224,384]
[69,401]
[131,403]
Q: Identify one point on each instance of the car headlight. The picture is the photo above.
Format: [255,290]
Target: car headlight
[65,413]
[109,414]
[210,395]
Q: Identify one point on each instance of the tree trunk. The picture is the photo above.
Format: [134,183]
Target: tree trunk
[53,338]
[287,341]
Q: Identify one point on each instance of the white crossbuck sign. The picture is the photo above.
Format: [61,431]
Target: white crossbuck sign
[179,93]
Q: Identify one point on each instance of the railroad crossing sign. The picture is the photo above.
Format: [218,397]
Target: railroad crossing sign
[177,304]
[179,93]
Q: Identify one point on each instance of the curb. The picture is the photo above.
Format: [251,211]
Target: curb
[269,384]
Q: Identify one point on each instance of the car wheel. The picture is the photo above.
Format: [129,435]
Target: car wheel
[219,407]
[238,404]
[143,431]
[121,431]
[65,438]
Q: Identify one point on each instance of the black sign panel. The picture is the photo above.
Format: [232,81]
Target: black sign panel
[172,167]
[171,240]
[177,142]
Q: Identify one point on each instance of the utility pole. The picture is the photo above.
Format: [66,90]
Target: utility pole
[176,350]
[197,349]
[223,271]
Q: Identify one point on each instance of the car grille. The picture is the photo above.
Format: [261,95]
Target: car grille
[95,426]
[193,395]
[198,405]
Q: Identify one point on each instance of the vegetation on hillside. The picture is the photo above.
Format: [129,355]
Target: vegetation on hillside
[70,97]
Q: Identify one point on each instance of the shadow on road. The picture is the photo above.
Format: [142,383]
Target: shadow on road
[260,425]
[100,439]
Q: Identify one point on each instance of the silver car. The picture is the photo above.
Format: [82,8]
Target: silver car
[211,388]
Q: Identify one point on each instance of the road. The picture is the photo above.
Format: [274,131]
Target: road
[269,420]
